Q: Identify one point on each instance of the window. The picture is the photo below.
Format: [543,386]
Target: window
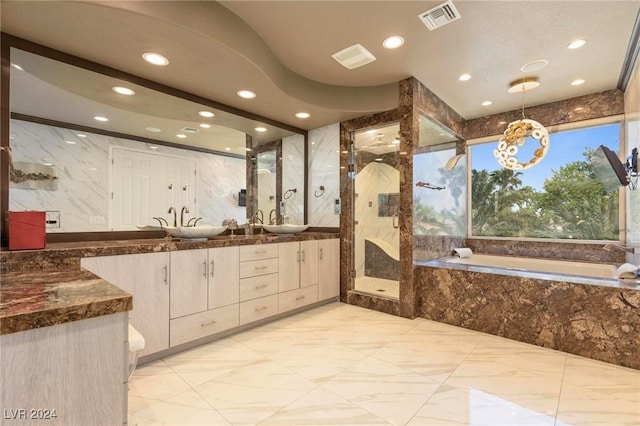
[561,197]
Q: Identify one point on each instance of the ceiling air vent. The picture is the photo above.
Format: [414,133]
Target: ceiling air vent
[439,15]
[189,130]
[353,56]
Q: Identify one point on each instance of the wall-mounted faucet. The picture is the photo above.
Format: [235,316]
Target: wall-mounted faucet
[610,246]
[182,212]
[175,219]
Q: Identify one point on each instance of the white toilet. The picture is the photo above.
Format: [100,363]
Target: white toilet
[136,344]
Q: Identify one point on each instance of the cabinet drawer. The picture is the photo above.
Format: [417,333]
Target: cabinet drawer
[203,324]
[297,298]
[260,286]
[257,309]
[258,267]
[257,252]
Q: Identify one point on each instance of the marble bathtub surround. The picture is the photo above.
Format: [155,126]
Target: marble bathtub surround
[41,299]
[584,252]
[594,321]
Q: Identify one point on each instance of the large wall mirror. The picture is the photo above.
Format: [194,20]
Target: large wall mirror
[101,158]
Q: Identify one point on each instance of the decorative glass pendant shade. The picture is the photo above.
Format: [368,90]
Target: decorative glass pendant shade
[517,133]
[516,136]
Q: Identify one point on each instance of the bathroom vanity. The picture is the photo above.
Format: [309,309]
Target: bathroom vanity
[64,311]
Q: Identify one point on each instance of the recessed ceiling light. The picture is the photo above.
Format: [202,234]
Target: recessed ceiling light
[153,129]
[100,118]
[576,44]
[205,125]
[465,77]
[70,142]
[247,94]
[303,115]
[261,129]
[577,82]
[123,90]
[93,169]
[393,42]
[81,135]
[207,114]
[155,59]
[486,103]
[181,136]
[16,66]
[534,66]
[378,159]
[227,149]
[153,147]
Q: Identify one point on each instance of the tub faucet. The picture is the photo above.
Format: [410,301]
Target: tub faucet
[175,219]
[610,246]
[182,212]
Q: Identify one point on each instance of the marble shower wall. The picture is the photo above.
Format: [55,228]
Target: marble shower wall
[632,136]
[373,179]
[82,170]
[324,170]
[293,178]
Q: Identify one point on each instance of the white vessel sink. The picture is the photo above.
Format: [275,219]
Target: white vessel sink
[285,229]
[195,232]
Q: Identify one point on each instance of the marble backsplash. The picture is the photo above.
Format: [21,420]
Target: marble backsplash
[82,169]
[293,178]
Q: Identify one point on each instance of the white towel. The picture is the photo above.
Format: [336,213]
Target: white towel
[627,270]
[462,252]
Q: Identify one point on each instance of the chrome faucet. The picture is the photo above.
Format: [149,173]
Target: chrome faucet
[182,212]
[610,246]
[175,219]
[195,219]
[272,220]
[256,218]
[161,220]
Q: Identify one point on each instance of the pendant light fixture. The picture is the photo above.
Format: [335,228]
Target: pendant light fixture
[517,133]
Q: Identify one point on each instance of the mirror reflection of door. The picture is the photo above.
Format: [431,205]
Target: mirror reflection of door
[146,185]
[376,232]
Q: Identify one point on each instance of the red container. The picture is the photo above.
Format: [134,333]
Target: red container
[27,230]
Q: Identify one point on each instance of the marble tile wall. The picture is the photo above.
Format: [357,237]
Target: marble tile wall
[83,184]
[324,170]
[632,136]
[293,178]
[373,179]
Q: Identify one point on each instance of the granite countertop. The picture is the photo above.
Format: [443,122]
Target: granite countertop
[35,300]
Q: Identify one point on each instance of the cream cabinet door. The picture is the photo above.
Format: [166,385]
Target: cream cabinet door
[146,278]
[329,267]
[308,263]
[189,281]
[224,276]
[288,266]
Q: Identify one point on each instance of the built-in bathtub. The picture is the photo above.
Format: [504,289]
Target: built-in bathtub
[575,307]
[530,266]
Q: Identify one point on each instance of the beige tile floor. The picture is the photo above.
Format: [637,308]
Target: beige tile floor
[343,365]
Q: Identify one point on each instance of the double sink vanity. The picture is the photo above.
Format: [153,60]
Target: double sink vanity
[65,310]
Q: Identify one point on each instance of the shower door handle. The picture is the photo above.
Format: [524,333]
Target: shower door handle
[395,221]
